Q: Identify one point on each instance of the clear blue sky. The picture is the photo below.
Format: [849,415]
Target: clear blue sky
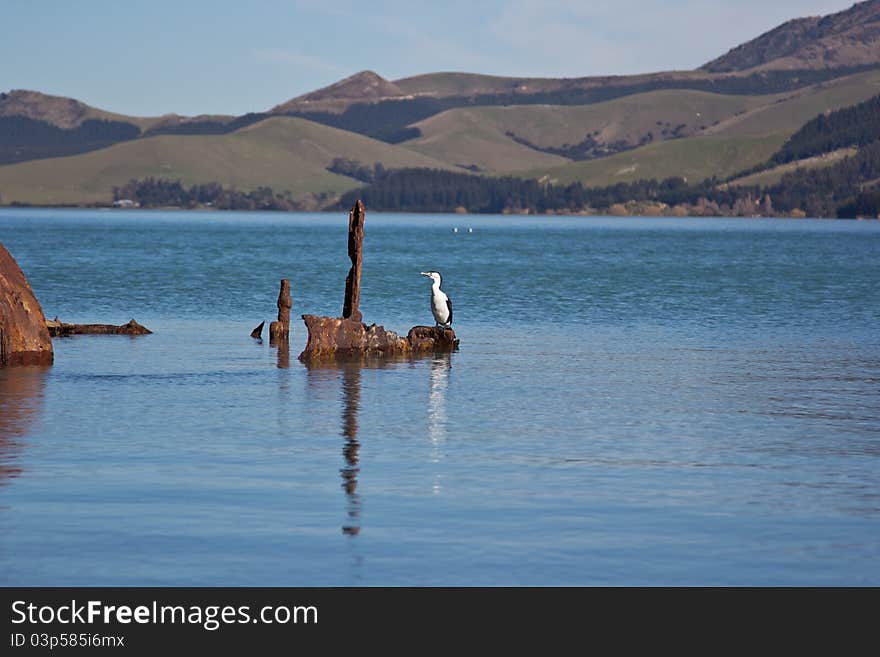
[231,57]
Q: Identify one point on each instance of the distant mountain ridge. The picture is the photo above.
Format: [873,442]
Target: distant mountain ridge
[68,113]
[365,86]
[64,113]
[34,125]
[722,119]
[795,55]
[847,38]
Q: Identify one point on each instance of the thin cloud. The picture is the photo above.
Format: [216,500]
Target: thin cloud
[419,49]
[299,60]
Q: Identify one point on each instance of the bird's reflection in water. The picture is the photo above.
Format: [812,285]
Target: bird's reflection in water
[440,367]
[21,402]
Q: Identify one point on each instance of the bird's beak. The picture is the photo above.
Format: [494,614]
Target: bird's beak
[424,273]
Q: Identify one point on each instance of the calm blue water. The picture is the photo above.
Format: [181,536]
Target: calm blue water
[635,401]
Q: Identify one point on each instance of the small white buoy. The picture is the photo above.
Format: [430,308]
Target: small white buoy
[455,230]
[470,230]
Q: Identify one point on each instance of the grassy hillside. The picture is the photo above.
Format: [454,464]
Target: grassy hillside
[694,158]
[734,144]
[694,124]
[485,135]
[774,175]
[790,111]
[628,118]
[468,137]
[282,152]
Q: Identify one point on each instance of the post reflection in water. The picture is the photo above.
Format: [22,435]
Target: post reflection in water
[21,402]
[346,373]
[349,374]
[282,349]
[351,395]
[282,356]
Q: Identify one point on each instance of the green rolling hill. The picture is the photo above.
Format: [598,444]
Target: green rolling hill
[493,138]
[283,153]
[788,112]
[773,175]
[738,143]
[689,158]
[468,137]
[693,134]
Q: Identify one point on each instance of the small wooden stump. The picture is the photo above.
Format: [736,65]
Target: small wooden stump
[280,331]
[257,333]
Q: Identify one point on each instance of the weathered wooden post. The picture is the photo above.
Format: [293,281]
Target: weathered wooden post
[350,306]
[280,331]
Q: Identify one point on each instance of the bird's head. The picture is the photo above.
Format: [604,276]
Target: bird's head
[433,275]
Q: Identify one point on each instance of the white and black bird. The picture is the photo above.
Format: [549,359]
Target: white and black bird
[441,305]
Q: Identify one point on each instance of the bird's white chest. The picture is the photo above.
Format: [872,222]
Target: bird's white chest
[439,306]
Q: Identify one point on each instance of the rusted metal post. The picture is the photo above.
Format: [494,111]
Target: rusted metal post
[350,307]
[24,336]
[280,330]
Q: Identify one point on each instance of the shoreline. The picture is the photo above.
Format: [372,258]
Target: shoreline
[457,212]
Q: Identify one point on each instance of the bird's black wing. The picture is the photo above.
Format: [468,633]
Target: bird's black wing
[449,305]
